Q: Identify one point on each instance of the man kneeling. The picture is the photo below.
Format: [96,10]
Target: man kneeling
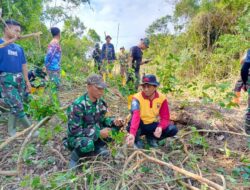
[87,123]
[150,115]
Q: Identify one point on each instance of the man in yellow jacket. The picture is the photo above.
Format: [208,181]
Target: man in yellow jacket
[150,115]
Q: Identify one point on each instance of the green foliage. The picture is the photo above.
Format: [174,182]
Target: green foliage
[29,151]
[45,103]
[159,26]
[199,140]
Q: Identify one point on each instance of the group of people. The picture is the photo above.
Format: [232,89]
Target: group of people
[104,60]
[89,129]
[14,76]
[88,126]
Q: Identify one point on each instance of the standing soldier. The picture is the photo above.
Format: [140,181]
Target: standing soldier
[13,76]
[108,55]
[123,60]
[135,60]
[87,123]
[246,82]
[97,57]
[53,58]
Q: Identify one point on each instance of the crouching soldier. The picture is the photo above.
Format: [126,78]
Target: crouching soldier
[146,107]
[87,124]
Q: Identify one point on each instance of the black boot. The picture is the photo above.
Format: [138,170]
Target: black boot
[74,159]
[101,148]
[152,141]
[138,143]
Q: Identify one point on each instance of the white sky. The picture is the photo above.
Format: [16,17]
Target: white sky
[134,16]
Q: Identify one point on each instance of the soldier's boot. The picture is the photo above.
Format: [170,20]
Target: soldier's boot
[123,81]
[101,151]
[25,121]
[152,141]
[12,124]
[74,159]
[237,98]
[104,77]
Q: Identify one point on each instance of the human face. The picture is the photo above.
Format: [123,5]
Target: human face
[95,92]
[148,90]
[12,31]
[108,40]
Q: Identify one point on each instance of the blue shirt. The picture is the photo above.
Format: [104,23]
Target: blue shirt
[108,52]
[136,54]
[53,57]
[11,58]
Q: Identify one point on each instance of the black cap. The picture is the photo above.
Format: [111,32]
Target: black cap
[12,22]
[55,31]
[150,79]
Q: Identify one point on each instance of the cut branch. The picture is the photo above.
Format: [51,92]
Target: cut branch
[20,38]
[19,161]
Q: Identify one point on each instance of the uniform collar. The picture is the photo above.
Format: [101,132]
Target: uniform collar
[89,101]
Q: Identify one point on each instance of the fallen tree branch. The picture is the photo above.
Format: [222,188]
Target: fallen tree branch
[20,38]
[19,160]
[18,134]
[213,131]
[8,173]
[59,154]
[177,169]
[187,185]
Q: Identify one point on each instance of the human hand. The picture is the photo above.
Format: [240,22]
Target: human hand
[158,132]
[104,133]
[28,86]
[130,140]
[118,122]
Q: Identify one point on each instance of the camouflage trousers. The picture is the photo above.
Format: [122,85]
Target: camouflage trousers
[12,92]
[85,141]
[55,77]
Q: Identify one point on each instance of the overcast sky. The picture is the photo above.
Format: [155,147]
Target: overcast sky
[134,16]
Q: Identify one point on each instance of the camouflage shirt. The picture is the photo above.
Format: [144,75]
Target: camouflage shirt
[123,59]
[86,118]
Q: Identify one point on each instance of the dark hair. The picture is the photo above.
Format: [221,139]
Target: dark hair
[55,31]
[12,22]
[108,36]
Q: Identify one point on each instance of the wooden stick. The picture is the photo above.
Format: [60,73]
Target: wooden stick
[180,170]
[19,160]
[20,38]
[187,185]
[59,154]
[213,131]
[19,134]
[8,173]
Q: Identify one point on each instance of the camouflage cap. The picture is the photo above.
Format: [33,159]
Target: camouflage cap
[145,41]
[97,80]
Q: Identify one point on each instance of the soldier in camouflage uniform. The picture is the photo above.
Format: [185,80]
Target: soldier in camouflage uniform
[13,76]
[87,123]
[97,57]
[123,60]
